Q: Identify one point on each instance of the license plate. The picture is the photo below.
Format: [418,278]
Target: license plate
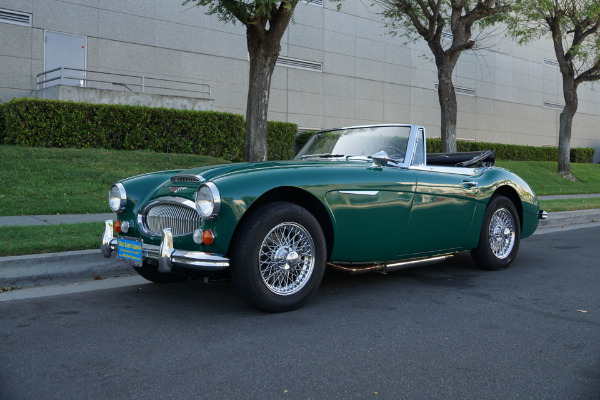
[130,250]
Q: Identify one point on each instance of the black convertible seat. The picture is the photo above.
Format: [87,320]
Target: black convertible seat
[465,159]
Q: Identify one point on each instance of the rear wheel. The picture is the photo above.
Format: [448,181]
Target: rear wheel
[278,260]
[150,272]
[500,235]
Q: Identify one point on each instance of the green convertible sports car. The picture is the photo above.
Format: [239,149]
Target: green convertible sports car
[359,199]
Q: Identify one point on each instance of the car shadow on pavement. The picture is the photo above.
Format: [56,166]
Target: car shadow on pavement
[195,295]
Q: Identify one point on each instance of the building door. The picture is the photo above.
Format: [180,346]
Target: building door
[67,51]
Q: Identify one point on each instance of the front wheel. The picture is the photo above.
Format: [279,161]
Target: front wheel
[278,260]
[500,235]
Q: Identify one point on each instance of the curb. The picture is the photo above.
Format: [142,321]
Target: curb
[563,218]
[86,264]
[70,265]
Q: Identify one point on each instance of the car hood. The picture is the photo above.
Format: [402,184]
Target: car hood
[217,171]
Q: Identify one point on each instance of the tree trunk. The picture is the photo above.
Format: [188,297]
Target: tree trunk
[566,122]
[448,104]
[263,56]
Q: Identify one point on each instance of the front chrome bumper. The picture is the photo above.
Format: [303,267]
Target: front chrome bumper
[165,254]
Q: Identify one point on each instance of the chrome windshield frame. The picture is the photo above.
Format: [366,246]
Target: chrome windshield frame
[410,146]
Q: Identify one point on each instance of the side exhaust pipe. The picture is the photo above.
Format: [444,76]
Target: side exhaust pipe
[363,269]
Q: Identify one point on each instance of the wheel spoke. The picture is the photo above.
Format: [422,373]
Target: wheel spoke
[501,233]
[286,258]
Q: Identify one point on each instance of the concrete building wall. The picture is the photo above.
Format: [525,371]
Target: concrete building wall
[103,96]
[367,75]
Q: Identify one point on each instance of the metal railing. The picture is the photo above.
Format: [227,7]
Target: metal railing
[117,81]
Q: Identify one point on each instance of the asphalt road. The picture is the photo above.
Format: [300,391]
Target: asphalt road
[449,331]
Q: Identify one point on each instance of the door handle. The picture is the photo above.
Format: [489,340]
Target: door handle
[469,184]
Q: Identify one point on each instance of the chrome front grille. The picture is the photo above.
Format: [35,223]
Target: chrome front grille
[180,216]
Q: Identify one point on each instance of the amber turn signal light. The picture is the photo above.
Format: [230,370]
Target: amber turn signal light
[208,237]
[118,226]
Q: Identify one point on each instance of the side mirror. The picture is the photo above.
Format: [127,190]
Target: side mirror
[380,159]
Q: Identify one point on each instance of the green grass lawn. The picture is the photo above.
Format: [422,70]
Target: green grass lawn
[74,181]
[570,204]
[544,180]
[20,240]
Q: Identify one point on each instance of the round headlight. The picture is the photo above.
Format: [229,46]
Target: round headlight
[208,200]
[117,198]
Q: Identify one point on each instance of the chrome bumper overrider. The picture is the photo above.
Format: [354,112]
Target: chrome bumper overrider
[542,215]
[165,254]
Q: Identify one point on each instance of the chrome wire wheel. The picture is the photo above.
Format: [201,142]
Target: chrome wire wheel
[286,259]
[502,233]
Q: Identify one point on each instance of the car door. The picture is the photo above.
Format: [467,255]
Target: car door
[442,210]
[371,213]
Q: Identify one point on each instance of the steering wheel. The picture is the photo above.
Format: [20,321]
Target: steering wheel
[396,151]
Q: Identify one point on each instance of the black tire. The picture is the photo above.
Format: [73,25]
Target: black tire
[150,272]
[291,265]
[500,235]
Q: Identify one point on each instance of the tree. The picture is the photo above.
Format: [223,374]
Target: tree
[574,27]
[266,22]
[430,20]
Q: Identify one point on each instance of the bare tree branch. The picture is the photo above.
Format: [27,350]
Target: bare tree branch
[428,18]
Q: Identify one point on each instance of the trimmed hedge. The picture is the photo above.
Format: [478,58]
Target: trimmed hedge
[53,123]
[516,152]
[281,137]
[2,123]
[301,139]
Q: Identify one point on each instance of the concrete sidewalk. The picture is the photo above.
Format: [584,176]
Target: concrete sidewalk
[54,219]
[568,196]
[86,264]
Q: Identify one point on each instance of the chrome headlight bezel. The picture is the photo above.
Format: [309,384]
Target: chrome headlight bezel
[117,201]
[208,200]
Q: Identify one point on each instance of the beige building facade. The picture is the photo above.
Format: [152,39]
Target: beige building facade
[337,68]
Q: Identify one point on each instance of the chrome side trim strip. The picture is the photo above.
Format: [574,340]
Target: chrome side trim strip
[446,170]
[363,192]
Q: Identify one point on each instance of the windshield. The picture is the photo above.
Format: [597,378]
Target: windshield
[364,141]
